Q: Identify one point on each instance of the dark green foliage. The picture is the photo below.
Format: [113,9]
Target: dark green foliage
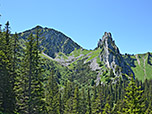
[82,74]
[7,95]
[51,92]
[107,109]
[133,98]
[98,103]
[69,106]
[83,101]
[59,104]
[38,93]
[76,101]
[29,84]
[89,107]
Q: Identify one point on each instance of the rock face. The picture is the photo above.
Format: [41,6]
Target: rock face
[54,41]
[111,57]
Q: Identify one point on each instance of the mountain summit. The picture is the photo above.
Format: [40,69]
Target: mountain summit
[111,56]
[54,41]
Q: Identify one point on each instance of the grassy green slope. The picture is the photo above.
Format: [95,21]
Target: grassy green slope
[144,69]
[84,54]
[141,65]
[78,52]
[80,73]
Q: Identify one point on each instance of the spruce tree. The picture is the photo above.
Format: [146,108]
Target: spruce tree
[38,79]
[59,104]
[97,106]
[94,93]
[6,72]
[67,92]
[51,94]
[31,90]
[150,93]
[83,101]
[21,86]
[2,67]
[16,65]
[76,101]
[89,107]
[133,99]
[69,106]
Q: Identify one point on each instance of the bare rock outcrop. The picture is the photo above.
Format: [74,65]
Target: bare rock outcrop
[112,57]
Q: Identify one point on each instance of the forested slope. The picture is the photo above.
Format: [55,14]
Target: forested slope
[38,79]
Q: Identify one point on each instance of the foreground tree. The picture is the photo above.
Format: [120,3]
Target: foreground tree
[83,101]
[134,103]
[38,79]
[76,101]
[89,107]
[29,87]
[51,94]
[97,106]
[7,75]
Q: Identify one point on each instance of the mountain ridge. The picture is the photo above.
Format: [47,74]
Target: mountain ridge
[54,40]
[106,60]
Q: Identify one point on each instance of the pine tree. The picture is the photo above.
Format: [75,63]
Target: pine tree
[6,72]
[21,87]
[111,95]
[38,80]
[24,84]
[2,66]
[97,106]
[150,93]
[51,94]
[89,107]
[133,98]
[94,93]
[67,92]
[16,60]
[59,104]
[69,106]
[83,102]
[30,90]
[76,101]
[30,61]
[146,93]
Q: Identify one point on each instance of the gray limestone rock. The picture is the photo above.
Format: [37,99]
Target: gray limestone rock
[112,57]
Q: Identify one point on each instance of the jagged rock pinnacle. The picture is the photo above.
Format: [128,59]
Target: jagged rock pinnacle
[111,56]
[105,36]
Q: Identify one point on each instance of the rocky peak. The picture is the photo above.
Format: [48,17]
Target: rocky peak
[107,35]
[108,42]
[111,56]
[53,41]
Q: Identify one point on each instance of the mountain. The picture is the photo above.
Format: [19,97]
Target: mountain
[107,60]
[105,63]
[54,41]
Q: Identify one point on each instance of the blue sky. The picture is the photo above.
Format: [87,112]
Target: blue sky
[85,21]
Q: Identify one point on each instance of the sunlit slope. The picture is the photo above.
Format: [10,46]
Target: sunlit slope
[141,65]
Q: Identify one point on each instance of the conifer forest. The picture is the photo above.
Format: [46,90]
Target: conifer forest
[32,83]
